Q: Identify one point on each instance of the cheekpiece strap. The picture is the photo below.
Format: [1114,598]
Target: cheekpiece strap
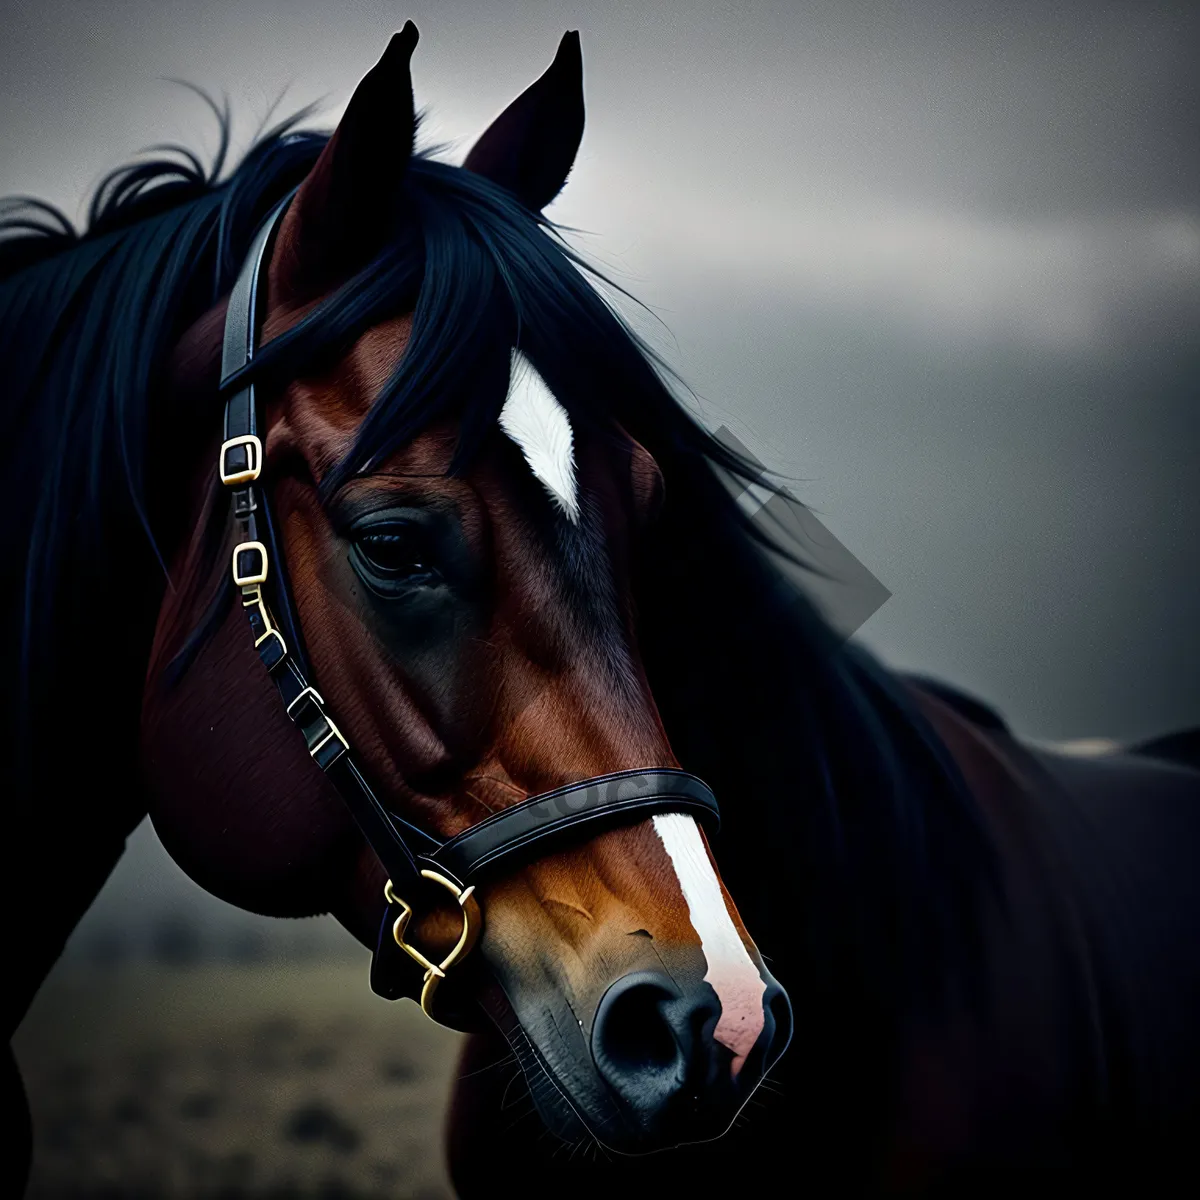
[255,577]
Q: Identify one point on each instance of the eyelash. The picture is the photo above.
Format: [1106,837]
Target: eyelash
[409,563]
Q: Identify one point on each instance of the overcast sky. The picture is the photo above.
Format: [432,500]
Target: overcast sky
[939,262]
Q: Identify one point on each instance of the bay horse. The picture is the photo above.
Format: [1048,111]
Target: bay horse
[459,512]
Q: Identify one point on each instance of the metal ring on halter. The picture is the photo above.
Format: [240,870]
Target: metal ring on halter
[472,924]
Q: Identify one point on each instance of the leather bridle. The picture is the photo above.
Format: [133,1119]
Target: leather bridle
[416,861]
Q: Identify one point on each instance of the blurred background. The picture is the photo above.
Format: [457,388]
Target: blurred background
[936,264]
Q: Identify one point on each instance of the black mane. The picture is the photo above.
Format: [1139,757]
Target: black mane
[90,484]
[849,839]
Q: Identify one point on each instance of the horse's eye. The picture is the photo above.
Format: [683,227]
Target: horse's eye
[394,554]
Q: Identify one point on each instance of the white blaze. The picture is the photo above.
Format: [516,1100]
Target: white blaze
[535,420]
[731,972]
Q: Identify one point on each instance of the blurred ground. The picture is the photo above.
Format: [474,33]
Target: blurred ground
[201,1078]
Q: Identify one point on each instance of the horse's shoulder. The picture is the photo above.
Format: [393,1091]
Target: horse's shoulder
[1180,747]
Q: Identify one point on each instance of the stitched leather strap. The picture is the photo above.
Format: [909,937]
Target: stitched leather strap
[531,826]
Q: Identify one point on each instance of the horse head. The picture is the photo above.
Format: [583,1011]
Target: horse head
[465,484]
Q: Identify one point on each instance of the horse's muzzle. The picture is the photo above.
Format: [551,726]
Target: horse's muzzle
[653,1045]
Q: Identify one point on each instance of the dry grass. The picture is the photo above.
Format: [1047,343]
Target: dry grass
[248,1080]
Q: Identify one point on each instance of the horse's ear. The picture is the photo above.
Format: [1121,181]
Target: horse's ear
[530,147]
[345,208]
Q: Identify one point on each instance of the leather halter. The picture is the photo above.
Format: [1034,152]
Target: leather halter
[517,833]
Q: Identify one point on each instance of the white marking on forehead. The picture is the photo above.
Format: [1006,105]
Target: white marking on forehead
[535,420]
[731,971]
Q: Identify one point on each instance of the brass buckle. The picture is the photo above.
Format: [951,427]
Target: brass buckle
[472,923]
[252,597]
[333,734]
[259,576]
[254,456]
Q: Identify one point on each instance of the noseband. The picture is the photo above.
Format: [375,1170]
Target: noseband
[417,862]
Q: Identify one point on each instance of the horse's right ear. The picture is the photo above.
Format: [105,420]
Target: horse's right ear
[530,147]
[345,208]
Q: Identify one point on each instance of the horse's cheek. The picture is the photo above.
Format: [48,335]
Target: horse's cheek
[233,796]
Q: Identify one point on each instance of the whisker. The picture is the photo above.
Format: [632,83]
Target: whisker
[508,1060]
[518,1117]
[504,1104]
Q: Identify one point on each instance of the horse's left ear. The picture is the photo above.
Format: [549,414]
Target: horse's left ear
[530,147]
[344,210]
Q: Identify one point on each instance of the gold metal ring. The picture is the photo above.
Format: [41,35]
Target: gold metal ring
[472,924]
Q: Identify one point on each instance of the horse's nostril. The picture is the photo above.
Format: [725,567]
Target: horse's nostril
[632,1032]
[654,1044]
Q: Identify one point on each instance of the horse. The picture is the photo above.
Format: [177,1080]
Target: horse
[453,627]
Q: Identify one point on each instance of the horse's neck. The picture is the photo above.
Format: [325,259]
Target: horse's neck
[57,864]
[86,791]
